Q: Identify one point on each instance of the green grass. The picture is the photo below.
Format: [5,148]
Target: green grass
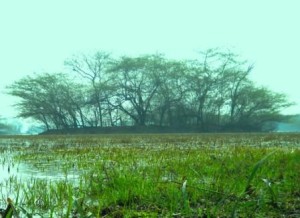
[167,175]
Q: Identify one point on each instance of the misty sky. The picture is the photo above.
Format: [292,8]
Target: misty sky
[37,36]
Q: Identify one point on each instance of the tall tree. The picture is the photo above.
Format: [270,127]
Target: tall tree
[209,84]
[169,103]
[138,80]
[257,106]
[94,69]
[49,98]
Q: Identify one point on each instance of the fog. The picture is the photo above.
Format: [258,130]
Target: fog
[263,33]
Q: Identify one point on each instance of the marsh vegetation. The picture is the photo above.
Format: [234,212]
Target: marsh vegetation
[153,175]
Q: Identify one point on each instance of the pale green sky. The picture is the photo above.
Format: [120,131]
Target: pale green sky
[37,36]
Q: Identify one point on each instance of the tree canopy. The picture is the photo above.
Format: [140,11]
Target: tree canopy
[211,93]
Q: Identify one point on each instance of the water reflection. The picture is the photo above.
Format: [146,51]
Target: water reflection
[24,171]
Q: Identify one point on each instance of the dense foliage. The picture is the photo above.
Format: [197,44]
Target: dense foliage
[212,93]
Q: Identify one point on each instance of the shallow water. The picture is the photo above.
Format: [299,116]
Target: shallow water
[26,174]
[13,171]
[23,171]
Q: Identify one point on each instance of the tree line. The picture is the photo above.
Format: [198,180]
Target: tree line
[212,93]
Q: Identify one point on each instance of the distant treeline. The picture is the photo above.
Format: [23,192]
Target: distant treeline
[124,130]
[212,93]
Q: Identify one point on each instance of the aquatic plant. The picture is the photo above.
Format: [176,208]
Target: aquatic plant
[179,175]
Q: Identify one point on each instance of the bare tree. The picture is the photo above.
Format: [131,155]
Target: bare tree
[213,92]
[138,80]
[94,69]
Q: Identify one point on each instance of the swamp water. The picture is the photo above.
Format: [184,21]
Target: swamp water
[71,176]
[16,174]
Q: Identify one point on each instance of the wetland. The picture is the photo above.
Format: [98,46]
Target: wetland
[151,175]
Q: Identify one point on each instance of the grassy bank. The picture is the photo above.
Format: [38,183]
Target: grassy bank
[171,175]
